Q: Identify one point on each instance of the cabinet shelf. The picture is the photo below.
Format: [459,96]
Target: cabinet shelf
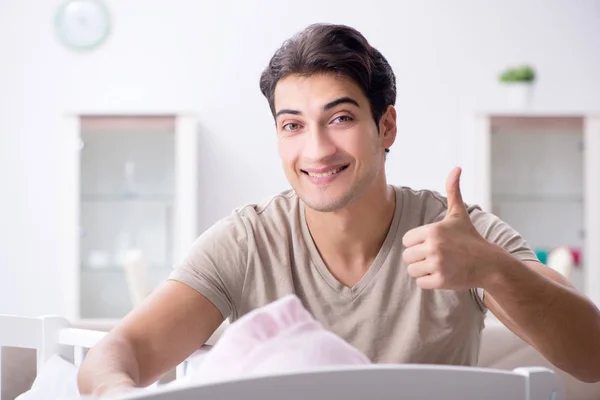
[127,197]
[115,268]
[537,197]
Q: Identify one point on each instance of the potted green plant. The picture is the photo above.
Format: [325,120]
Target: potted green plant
[518,82]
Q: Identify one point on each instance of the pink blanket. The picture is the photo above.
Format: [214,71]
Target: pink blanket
[277,338]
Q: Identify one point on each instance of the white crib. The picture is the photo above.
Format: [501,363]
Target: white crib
[53,336]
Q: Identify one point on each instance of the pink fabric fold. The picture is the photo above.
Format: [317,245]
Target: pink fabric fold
[277,338]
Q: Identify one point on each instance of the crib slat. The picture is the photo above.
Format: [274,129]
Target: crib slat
[78,355]
[181,369]
[51,328]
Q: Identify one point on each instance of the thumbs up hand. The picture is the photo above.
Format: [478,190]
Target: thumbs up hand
[449,254]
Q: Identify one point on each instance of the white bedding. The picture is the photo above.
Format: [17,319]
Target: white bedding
[57,379]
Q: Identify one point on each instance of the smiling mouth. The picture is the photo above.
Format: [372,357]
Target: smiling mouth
[326,174]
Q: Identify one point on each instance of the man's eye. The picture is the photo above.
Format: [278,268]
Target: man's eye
[291,127]
[342,118]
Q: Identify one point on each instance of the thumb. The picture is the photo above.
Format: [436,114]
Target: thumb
[456,205]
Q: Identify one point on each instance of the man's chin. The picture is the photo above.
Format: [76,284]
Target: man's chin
[326,204]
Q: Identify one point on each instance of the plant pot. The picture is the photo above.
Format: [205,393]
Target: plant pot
[519,95]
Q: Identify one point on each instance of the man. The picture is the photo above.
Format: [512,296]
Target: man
[403,275]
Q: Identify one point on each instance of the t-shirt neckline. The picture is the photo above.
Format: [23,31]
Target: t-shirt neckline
[318,263]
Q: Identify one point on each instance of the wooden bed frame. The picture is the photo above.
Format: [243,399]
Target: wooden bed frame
[51,336]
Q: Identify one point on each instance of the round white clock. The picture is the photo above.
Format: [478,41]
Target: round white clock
[82,24]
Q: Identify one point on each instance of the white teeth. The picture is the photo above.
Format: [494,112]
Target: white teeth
[325,174]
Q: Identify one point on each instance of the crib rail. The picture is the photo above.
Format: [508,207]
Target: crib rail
[50,335]
[381,382]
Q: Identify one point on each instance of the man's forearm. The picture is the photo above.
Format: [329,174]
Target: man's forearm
[110,367]
[560,323]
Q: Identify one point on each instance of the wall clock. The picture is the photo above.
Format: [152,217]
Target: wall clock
[82,24]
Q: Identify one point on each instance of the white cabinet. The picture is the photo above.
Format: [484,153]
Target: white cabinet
[130,197]
[540,172]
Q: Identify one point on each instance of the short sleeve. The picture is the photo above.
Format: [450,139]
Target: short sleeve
[216,264]
[502,234]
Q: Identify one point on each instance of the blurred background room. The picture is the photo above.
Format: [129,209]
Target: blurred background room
[129,127]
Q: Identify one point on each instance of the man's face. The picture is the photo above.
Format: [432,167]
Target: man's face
[327,139]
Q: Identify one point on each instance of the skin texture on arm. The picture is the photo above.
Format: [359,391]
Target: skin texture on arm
[541,307]
[170,325]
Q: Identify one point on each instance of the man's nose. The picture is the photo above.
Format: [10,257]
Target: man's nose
[318,145]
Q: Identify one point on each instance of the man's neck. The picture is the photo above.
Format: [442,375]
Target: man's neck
[348,240]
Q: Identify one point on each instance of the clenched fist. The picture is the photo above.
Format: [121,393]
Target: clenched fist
[449,254]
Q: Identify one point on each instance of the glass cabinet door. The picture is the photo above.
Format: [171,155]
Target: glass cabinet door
[127,189]
[537,184]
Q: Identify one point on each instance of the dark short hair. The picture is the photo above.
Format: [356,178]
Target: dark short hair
[340,49]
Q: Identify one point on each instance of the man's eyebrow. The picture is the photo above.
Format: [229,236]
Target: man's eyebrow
[326,107]
[287,111]
[339,101]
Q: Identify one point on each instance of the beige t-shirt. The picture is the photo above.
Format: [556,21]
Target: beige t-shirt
[262,252]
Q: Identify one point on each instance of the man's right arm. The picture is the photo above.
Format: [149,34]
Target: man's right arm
[177,318]
[171,324]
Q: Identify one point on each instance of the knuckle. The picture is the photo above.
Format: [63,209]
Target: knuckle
[433,248]
[435,231]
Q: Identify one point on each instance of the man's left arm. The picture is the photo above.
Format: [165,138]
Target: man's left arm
[540,306]
[535,302]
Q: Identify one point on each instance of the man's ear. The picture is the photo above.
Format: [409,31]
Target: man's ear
[387,127]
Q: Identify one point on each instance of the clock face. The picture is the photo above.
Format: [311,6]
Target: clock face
[82,24]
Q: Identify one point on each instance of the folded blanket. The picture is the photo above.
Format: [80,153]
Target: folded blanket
[277,338]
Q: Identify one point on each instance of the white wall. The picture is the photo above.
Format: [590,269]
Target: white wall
[206,57]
